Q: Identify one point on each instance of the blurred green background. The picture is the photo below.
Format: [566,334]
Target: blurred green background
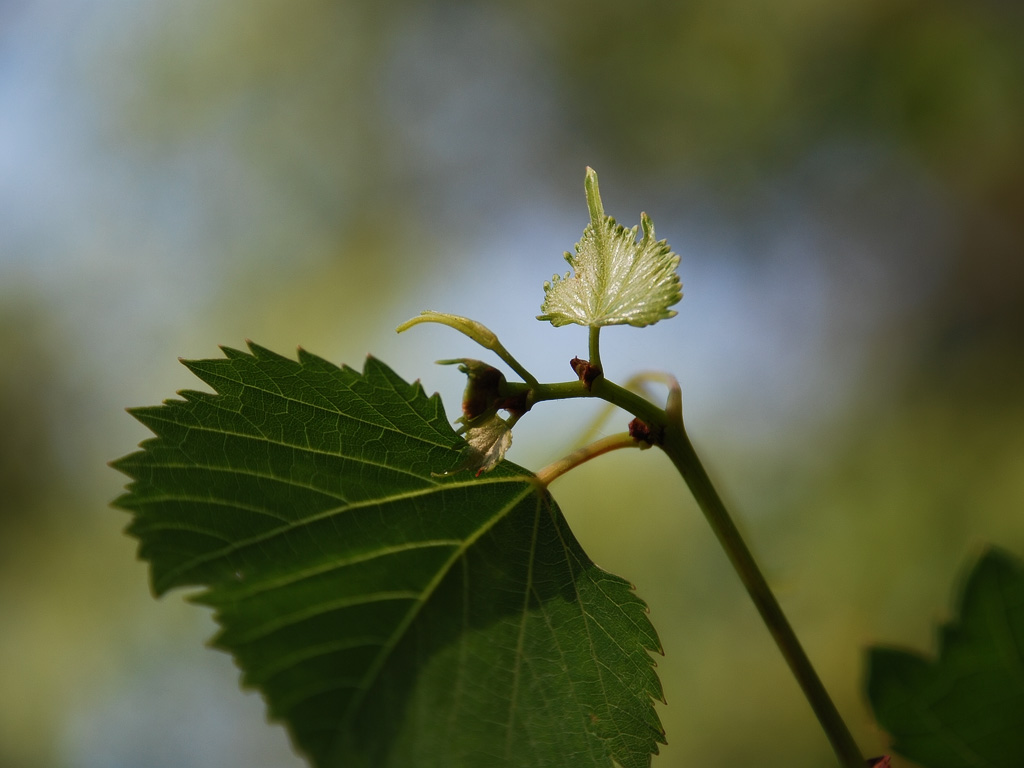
[844,182]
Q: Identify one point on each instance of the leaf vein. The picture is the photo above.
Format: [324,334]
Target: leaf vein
[296,577]
[378,664]
[319,609]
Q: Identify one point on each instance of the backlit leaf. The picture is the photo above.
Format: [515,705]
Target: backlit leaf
[391,615]
[618,280]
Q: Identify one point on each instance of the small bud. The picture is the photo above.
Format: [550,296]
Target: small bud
[483,387]
[586,370]
[642,432]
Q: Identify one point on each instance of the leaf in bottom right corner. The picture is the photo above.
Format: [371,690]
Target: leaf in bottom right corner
[966,707]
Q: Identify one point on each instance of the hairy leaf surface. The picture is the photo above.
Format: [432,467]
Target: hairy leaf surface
[390,614]
[966,708]
[618,280]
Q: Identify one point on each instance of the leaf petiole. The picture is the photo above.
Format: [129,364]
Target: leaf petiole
[595,347]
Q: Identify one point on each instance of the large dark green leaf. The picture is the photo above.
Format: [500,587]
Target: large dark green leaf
[967,707]
[391,615]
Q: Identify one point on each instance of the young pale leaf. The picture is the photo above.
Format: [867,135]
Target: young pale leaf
[390,614]
[489,442]
[967,707]
[617,280]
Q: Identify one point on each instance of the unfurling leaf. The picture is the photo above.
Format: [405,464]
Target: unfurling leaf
[488,435]
[489,442]
[965,708]
[617,280]
[392,615]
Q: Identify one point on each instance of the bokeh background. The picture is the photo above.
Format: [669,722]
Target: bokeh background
[844,182]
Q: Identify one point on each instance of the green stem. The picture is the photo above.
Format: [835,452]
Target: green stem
[635,385]
[601,388]
[478,332]
[514,364]
[595,347]
[680,451]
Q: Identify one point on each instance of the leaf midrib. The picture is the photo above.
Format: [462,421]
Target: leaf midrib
[375,668]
